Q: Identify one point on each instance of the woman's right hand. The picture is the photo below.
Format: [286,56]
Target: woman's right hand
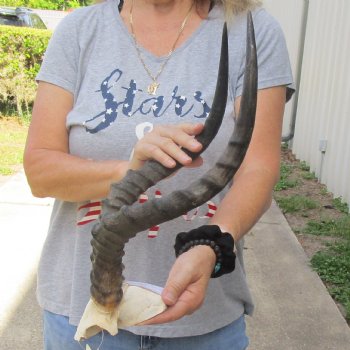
[50,168]
[53,172]
[165,143]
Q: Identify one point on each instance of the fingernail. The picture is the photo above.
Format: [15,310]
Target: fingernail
[170,163]
[170,297]
[195,143]
[186,159]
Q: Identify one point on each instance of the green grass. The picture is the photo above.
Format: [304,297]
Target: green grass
[304,166]
[340,205]
[333,266]
[309,176]
[324,191]
[285,170]
[13,134]
[336,228]
[284,146]
[295,203]
[284,182]
[333,262]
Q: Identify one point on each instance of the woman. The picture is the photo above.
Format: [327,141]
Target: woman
[125,82]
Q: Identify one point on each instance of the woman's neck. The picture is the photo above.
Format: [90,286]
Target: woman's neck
[171,10]
[156,23]
[162,6]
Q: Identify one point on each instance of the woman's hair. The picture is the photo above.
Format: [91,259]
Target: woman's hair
[232,7]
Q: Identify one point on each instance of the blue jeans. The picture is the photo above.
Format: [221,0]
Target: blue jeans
[59,335]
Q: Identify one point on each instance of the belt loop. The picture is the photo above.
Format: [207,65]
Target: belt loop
[145,342]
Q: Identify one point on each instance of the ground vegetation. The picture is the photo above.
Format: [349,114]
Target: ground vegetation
[321,222]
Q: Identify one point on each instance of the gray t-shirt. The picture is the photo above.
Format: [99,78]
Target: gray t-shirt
[92,55]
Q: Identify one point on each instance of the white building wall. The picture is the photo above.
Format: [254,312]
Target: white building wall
[323,113]
[291,15]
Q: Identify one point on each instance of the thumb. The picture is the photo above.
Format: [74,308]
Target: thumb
[178,280]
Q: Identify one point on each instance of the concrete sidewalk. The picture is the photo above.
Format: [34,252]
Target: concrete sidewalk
[293,309]
[23,225]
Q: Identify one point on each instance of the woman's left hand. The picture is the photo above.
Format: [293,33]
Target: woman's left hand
[187,283]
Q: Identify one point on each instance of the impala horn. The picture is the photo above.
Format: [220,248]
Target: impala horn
[123,217]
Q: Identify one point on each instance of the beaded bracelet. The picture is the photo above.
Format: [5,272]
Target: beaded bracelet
[209,243]
[221,242]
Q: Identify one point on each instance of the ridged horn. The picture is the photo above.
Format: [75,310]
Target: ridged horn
[122,217]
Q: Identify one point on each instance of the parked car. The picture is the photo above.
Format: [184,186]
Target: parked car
[20,17]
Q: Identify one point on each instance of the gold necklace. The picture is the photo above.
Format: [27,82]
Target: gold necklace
[152,88]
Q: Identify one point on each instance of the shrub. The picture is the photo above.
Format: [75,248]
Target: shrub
[21,52]
[46,4]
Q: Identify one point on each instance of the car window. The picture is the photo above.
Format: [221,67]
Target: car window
[10,20]
[37,21]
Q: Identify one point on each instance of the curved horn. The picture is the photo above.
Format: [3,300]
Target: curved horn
[125,193]
[121,221]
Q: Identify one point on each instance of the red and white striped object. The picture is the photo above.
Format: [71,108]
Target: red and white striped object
[94,210]
[211,210]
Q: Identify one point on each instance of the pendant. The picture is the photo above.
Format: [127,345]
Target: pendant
[152,88]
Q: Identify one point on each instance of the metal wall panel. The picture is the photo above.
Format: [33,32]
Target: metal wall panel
[290,15]
[323,113]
